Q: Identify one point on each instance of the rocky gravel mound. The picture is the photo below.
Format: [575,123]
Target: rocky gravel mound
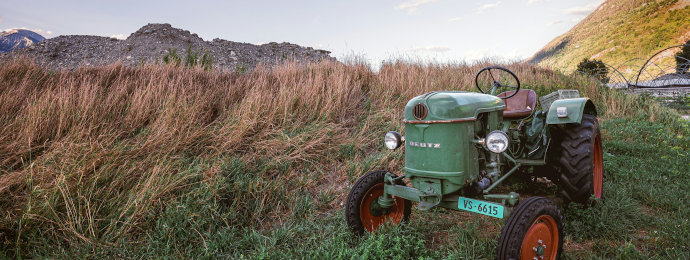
[153,42]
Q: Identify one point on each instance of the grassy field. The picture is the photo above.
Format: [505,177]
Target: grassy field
[155,161]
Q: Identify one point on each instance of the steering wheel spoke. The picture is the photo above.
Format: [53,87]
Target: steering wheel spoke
[495,84]
[492,76]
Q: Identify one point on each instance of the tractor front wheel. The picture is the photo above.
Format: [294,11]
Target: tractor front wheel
[362,210]
[533,231]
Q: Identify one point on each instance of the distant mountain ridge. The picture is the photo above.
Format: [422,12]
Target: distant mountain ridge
[617,31]
[18,38]
[152,42]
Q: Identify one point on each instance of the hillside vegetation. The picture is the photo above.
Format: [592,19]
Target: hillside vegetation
[617,31]
[160,161]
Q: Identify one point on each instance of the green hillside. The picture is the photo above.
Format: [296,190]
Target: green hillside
[617,31]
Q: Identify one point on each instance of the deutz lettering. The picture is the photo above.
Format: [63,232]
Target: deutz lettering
[424,145]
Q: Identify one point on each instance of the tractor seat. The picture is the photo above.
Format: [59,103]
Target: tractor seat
[521,105]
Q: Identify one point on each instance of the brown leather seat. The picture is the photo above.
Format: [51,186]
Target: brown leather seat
[520,105]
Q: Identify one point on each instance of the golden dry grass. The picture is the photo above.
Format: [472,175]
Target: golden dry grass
[92,155]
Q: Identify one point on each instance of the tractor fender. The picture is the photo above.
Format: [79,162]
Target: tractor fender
[576,107]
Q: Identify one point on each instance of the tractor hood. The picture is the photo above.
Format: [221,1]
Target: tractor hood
[451,105]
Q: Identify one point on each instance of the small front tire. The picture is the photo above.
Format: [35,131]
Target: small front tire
[361,201]
[534,229]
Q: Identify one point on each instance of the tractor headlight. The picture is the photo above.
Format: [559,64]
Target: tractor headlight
[497,141]
[393,140]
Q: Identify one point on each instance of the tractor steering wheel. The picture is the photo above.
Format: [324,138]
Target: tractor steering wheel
[501,81]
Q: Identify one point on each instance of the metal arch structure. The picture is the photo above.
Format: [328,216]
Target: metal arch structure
[662,78]
[660,70]
[629,62]
[615,81]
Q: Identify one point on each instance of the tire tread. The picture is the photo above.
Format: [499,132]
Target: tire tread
[575,159]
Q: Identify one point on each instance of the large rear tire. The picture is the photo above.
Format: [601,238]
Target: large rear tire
[581,161]
[533,231]
[360,210]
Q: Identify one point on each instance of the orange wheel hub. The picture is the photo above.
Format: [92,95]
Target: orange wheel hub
[598,168]
[541,239]
[370,222]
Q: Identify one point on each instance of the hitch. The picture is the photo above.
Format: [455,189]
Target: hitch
[428,194]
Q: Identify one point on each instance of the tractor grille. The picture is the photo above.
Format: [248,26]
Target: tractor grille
[419,111]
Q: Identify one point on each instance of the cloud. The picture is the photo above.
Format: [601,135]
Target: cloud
[430,48]
[413,5]
[583,10]
[118,36]
[41,31]
[529,2]
[477,54]
[454,19]
[485,7]
[0,19]
[554,22]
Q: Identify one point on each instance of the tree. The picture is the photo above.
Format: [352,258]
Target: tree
[683,59]
[594,68]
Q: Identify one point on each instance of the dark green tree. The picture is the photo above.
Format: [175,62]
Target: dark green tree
[594,68]
[683,59]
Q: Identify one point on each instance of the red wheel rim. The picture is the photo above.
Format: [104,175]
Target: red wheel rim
[370,222]
[598,168]
[541,239]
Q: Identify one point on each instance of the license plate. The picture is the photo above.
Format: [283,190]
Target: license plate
[481,207]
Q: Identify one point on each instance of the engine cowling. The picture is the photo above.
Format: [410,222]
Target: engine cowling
[439,129]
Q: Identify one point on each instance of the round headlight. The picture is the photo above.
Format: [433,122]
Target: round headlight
[497,141]
[393,140]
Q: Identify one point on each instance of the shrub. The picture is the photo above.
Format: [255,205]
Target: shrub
[207,61]
[683,59]
[594,68]
[172,58]
[191,57]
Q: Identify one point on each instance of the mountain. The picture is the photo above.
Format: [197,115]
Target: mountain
[17,39]
[617,31]
[155,43]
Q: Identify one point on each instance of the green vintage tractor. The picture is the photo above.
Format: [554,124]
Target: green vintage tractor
[459,146]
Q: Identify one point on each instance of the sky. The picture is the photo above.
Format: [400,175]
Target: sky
[374,30]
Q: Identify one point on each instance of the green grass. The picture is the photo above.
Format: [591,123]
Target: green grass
[644,214]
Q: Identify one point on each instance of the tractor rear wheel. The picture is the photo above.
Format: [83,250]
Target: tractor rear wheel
[533,231]
[581,161]
[362,211]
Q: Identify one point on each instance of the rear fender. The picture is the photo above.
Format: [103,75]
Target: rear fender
[576,107]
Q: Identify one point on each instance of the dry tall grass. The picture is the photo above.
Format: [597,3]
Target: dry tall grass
[91,156]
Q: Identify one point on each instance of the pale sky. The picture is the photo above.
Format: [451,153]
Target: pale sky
[427,30]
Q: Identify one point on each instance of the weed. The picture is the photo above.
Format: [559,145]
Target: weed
[206,61]
[172,58]
[241,68]
[191,57]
